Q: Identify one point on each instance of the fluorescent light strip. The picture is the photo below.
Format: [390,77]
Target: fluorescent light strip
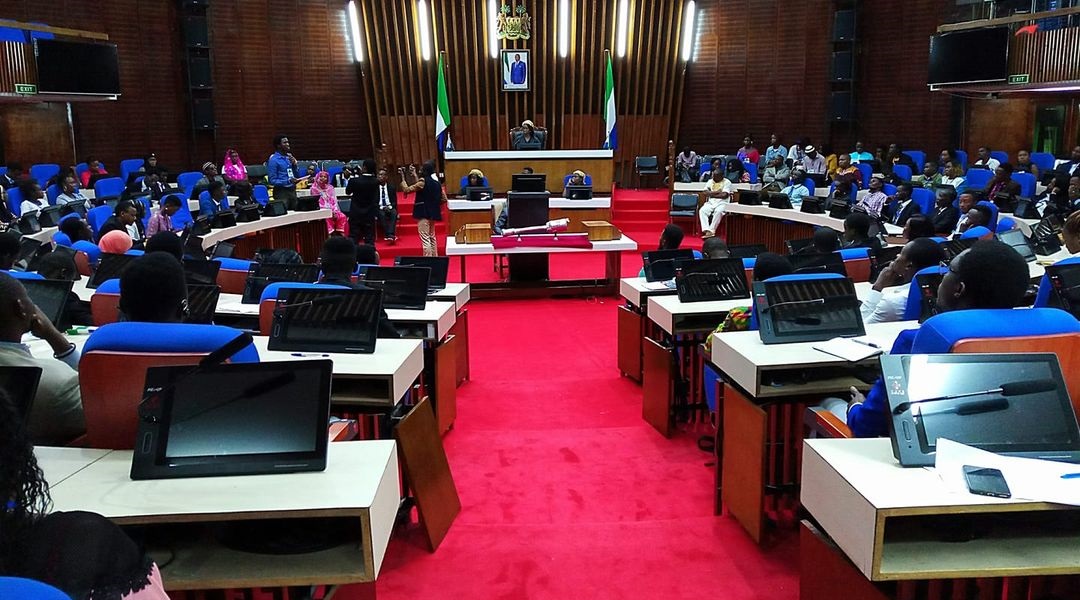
[425,29]
[689,35]
[493,34]
[354,30]
[623,26]
[564,28]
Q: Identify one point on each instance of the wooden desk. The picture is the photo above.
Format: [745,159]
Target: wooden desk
[459,294]
[774,226]
[304,232]
[887,520]
[58,464]
[360,485]
[634,324]
[766,391]
[433,325]
[499,166]
[462,212]
[606,286]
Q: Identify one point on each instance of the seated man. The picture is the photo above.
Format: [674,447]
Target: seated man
[900,207]
[69,192]
[857,232]
[945,214]
[210,175]
[985,161]
[56,416]
[776,174]
[845,169]
[33,199]
[528,138]
[338,262]
[978,216]
[715,247]
[216,200]
[990,274]
[1024,164]
[126,219]
[717,194]
[716,164]
[153,289]
[10,243]
[918,226]
[813,161]
[874,201]
[1001,183]
[888,297]
[671,237]
[825,241]
[967,202]
[930,178]
[797,189]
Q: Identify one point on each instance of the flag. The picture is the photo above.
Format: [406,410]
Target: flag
[611,141]
[442,116]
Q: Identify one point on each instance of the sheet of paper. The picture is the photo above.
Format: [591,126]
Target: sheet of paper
[1027,478]
[659,285]
[847,349]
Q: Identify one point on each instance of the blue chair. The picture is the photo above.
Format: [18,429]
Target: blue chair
[24,275]
[90,249]
[889,189]
[977,179]
[261,194]
[941,332]
[167,337]
[52,193]
[924,198]
[14,200]
[1002,157]
[1044,160]
[61,239]
[993,208]
[44,172]
[867,172]
[135,252]
[902,171]
[15,588]
[109,286]
[793,277]
[129,166]
[80,169]
[913,308]
[3,170]
[97,217]
[751,169]
[182,218]
[269,297]
[110,187]
[704,168]
[809,183]
[854,253]
[465,182]
[566,180]
[962,157]
[187,181]
[334,171]
[1027,184]
[975,232]
[1042,298]
[918,157]
[1005,224]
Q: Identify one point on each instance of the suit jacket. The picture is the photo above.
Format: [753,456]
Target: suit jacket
[944,221]
[391,193]
[364,191]
[911,209]
[114,224]
[207,208]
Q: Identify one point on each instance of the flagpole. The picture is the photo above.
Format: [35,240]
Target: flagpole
[603,99]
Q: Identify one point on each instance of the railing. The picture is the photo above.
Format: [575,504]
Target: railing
[977,13]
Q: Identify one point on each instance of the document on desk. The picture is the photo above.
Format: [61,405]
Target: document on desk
[660,285]
[849,349]
[1027,478]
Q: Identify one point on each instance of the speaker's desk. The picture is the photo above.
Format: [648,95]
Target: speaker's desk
[766,391]
[499,166]
[597,208]
[634,324]
[894,524]
[360,487]
[608,285]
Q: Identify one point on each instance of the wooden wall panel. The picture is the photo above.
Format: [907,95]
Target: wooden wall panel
[42,126]
[1005,124]
[566,94]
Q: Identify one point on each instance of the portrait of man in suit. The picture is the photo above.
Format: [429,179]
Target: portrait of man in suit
[515,70]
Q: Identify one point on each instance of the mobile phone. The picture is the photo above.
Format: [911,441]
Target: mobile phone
[986,482]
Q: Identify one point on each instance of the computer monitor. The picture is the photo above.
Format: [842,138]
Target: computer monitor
[326,320]
[578,192]
[660,264]
[527,209]
[778,200]
[927,285]
[1014,404]
[1019,242]
[810,310]
[233,419]
[711,279]
[202,303]
[952,248]
[1064,287]
[528,182]
[402,287]
[110,266]
[201,272]
[50,296]
[476,193]
[223,250]
[798,246]
[261,275]
[193,245]
[746,250]
[439,265]
[28,248]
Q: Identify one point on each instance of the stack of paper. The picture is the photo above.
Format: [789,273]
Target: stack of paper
[850,349]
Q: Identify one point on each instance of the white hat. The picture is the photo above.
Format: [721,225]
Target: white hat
[810,148]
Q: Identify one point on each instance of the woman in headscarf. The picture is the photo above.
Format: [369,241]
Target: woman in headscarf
[527,138]
[233,170]
[115,242]
[324,189]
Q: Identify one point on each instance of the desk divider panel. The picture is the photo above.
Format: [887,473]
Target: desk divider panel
[428,472]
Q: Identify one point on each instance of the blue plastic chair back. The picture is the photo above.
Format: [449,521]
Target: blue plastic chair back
[924,198]
[81,168]
[1002,157]
[962,156]
[234,264]
[271,291]
[918,157]
[110,186]
[867,172]
[1044,160]
[12,34]
[889,189]
[941,332]
[1027,184]
[52,193]
[913,308]
[129,166]
[793,277]
[465,182]
[587,180]
[261,194]
[24,275]
[809,183]
[44,172]
[1005,224]
[15,588]
[182,218]
[109,286]
[97,216]
[902,171]
[14,200]
[975,232]
[992,225]
[1042,298]
[132,336]
[977,179]
[61,239]
[854,253]
[751,169]
[90,249]
[187,181]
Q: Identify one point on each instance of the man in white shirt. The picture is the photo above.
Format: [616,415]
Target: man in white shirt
[69,192]
[717,195]
[33,200]
[967,202]
[985,160]
[387,214]
[813,162]
[888,298]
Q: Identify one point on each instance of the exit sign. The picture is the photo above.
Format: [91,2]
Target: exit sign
[25,88]
[1018,79]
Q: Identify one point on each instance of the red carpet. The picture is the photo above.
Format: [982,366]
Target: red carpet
[566,492]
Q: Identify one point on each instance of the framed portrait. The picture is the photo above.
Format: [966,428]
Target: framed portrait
[516,70]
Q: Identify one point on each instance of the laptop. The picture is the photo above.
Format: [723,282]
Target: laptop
[50,296]
[20,384]
[261,275]
[660,264]
[233,419]
[328,320]
[49,216]
[402,287]
[35,262]
[954,247]
[881,257]
[578,192]
[1019,242]
[812,205]
[223,219]
[193,245]
[746,250]
[818,263]
[1013,404]
[711,279]
[439,266]
[201,272]
[28,248]
[110,266]
[807,310]
[223,250]
[1064,287]
[778,200]
[749,197]
[202,303]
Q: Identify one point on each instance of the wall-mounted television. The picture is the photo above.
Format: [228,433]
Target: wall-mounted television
[66,67]
[972,56]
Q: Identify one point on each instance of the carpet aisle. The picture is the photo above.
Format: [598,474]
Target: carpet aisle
[566,492]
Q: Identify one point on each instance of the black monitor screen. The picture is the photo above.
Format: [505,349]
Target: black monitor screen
[50,296]
[110,266]
[1019,242]
[660,264]
[439,266]
[66,67]
[201,272]
[261,275]
[969,56]
[1064,287]
[527,209]
[330,320]
[818,263]
[807,310]
[477,193]
[528,182]
[402,287]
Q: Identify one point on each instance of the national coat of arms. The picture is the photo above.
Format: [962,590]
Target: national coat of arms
[513,24]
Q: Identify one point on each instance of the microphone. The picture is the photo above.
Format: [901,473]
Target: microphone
[281,308]
[1014,388]
[843,300]
[148,413]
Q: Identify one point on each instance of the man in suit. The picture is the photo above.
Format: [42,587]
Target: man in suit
[387,212]
[945,214]
[1072,167]
[364,191]
[215,201]
[901,207]
[11,178]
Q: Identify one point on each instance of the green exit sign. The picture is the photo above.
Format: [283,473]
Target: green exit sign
[25,88]
[1019,79]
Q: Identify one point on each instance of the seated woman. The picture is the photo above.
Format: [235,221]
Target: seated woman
[714,166]
[577,178]
[233,169]
[529,138]
[736,172]
[93,172]
[76,229]
[475,178]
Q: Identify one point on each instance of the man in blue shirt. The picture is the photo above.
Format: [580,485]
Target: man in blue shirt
[214,201]
[280,172]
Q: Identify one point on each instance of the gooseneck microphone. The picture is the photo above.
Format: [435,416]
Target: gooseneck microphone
[1014,388]
[150,403]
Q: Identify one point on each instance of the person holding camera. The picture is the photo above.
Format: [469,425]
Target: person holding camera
[427,208]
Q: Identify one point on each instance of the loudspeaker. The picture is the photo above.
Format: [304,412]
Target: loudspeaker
[196,32]
[840,105]
[202,113]
[842,66]
[199,72]
[844,26]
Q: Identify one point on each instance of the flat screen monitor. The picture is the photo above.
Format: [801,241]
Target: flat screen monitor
[711,279]
[1019,242]
[747,250]
[439,265]
[233,419]
[578,192]
[798,246]
[402,287]
[527,209]
[201,272]
[110,266]
[953,248]
[327,320]
[528,182]
[1015,404]
[28,248]
[660,264]
[927,284]
[970,56]
[1064,287]
[810,310]
[67,67]
[202,303]
[261,275]
[50,296]
[476,193]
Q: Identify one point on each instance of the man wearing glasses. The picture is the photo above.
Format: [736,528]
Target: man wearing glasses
[888,297]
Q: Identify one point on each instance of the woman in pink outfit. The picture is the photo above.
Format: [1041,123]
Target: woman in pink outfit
[233,169]
[322,188]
